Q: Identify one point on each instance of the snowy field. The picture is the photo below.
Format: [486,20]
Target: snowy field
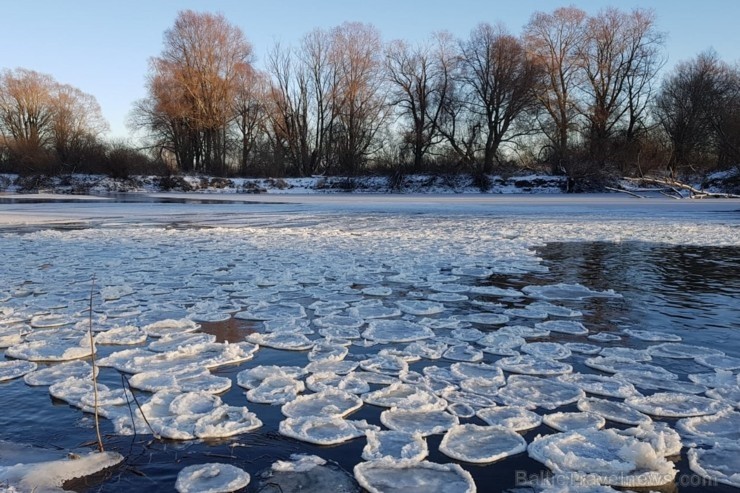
[339,342]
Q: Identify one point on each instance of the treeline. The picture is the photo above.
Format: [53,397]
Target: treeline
[574,94]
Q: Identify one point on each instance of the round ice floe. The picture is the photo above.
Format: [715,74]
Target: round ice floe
[676,405]
[574,421]
[720,463]
[622,365]
[324,430]
[526,313]
[461,410]
[524,331]
[532,365]
[253,377]
[614,411]
[495,291]
[170,326]
[327,351]
[485,318]
[339,367]
[463,352]
[373,311]
[339,321]
[718,362]
[682,351]
[583,348]
[474,399]
[563,291]
[276,389]
[530,392]
[211,478]
[351,383]
[600,385]
[13,334]
[172,342]
[50,320]
[124,335]
[554,310]
[58,372]
[500,343]
[403,396]
[648,382]
[652,335]
[377,291]
[660,436]
[477,370]
[387,364]
[280,340]
[626,353]
[226,421]
[563,326]
[604,337]
[481,444]
[514,418]
[392,476]
[602,456]
[467,334]
[15,369]
[51,350]
[427,349]
[387,331]
[397,445]
[730,395]
[423,420]
[265,311]
[551,350]
[329,402]
[194,403]
[718,378]
[447,297]
[420,307]
[307,474]
[188,379]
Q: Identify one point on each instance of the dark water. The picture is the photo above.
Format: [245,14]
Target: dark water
[689,291]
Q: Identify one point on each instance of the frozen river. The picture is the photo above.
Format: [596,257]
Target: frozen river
[478,329]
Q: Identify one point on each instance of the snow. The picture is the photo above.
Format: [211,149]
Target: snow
[26,468]
[211,478]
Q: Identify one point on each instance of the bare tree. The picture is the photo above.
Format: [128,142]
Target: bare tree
[193,82]
[78,123]
[620,56]
[359,98]
[554,42]
[26,110]
[419,82]
[496,81]
[687,106]
[250,98]
[42,120]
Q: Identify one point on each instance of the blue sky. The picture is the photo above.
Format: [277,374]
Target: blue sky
[103,47]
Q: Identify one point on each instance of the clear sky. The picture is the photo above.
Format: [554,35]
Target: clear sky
[103,47]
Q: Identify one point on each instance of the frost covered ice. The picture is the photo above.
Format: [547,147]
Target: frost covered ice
[603,456]
[510,417]
[392,444]
[307,474]
[211,478]
[324,430]
[676,405]
[720,463]
[481,444]
[392,476]
[27,468]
